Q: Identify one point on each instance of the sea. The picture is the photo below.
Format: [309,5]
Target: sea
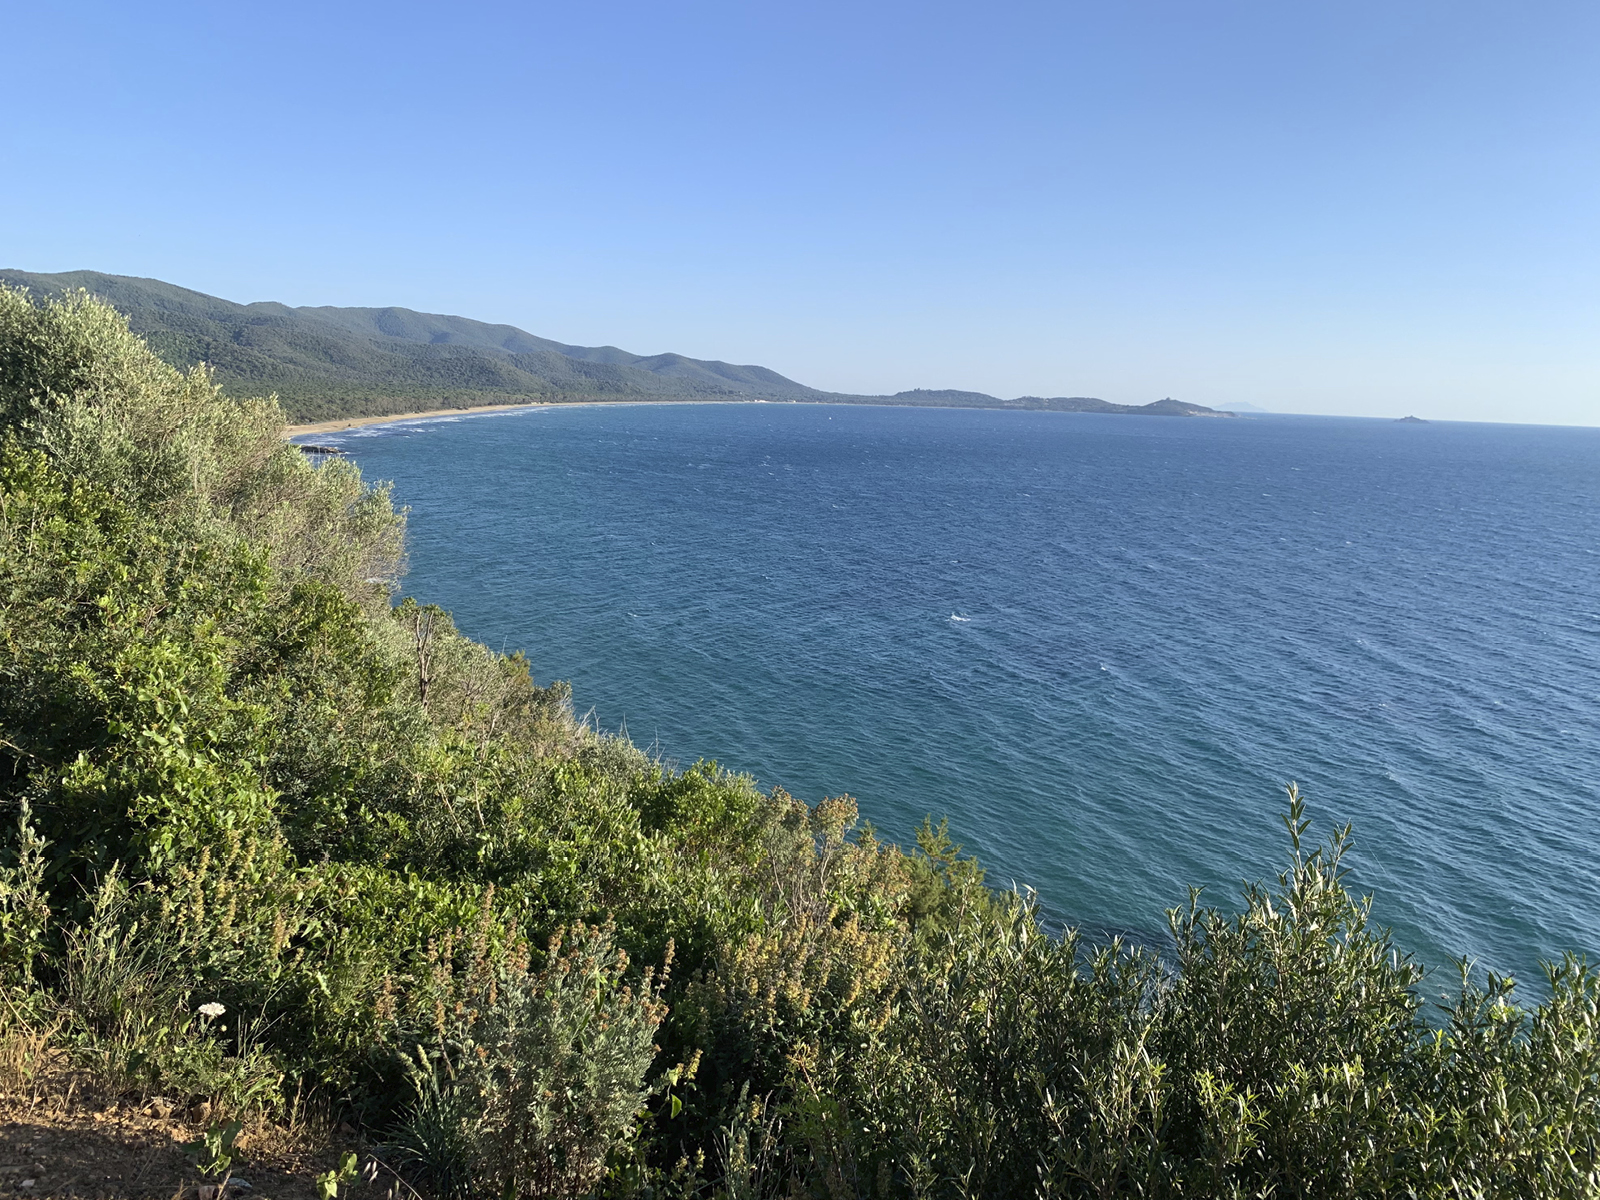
[1100,645]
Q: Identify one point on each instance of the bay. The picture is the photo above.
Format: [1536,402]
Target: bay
[1100,645]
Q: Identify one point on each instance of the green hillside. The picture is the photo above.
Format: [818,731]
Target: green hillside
[272,845]
[326,363]
[330,362]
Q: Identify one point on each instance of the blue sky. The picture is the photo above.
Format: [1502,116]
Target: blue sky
[1364,208]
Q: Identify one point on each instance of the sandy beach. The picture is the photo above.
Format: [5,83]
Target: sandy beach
[354,422]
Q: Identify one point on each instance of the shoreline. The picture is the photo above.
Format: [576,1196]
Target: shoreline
[343,423]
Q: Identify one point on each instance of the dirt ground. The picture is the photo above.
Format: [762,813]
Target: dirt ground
[60,1138]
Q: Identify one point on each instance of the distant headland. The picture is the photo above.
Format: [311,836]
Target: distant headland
[331,366]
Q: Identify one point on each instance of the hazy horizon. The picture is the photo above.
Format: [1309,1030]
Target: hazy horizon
[1338,209]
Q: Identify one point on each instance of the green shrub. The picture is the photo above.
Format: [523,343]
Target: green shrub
[24,914]
[131,1016]
[540,1076]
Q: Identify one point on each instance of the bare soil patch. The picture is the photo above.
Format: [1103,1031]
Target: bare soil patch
[60,1136]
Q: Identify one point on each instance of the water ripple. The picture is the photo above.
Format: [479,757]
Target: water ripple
[1099,644]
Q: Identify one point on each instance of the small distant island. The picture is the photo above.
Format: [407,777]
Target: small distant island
[1410,421]
[332,365]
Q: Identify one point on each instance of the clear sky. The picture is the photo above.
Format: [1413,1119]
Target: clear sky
[1345,207]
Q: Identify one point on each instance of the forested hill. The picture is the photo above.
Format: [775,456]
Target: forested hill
[326,363]
[332,362]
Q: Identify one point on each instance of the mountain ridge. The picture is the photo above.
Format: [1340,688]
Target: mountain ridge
[330,363]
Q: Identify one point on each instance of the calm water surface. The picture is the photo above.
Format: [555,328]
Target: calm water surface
[1099,644]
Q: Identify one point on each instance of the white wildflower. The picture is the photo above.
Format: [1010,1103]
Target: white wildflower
[212,1010]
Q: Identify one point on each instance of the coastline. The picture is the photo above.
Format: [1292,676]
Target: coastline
[344,423]
[290,431]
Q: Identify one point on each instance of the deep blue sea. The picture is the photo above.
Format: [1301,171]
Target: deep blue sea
[1100,645]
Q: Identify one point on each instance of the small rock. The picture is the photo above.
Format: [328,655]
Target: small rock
[28,1183]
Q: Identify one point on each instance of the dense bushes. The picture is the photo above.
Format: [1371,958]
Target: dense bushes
[535,1077]
[273,836]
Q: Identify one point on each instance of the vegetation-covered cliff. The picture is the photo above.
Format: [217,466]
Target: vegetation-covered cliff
[269,836]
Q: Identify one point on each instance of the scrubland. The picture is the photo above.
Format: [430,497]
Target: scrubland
[284,859]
